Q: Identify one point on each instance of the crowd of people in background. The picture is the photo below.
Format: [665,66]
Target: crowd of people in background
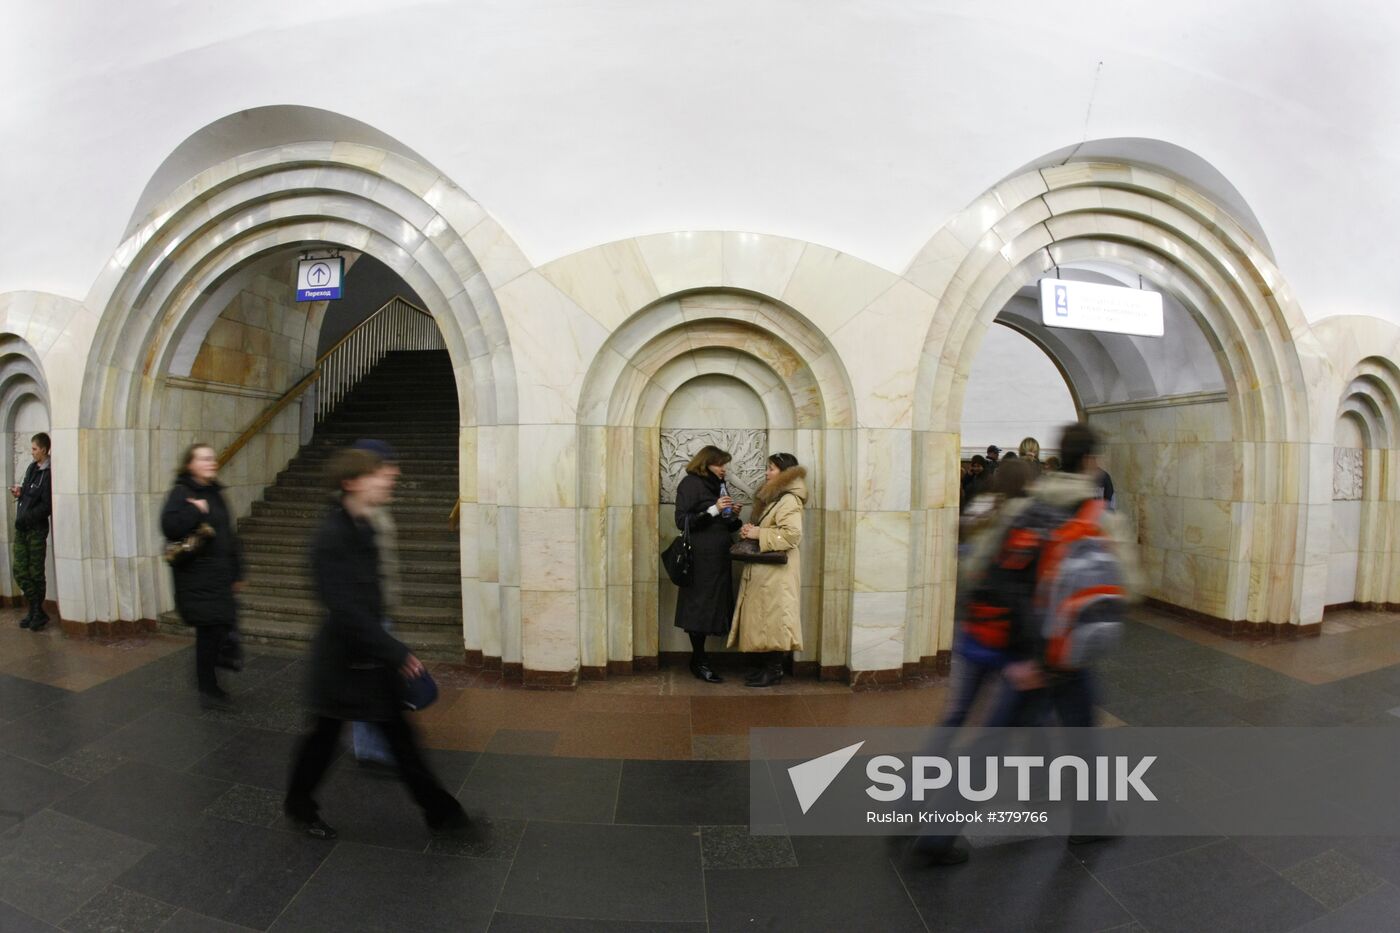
[979,471]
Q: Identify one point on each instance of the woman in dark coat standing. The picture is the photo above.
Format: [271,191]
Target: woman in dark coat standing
[356,665]
[705,605]
[207,579]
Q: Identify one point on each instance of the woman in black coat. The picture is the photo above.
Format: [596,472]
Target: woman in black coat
[705,605]
[207,579]
[356,665]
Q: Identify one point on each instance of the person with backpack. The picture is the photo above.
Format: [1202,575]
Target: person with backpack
[1052,580]
[979,650]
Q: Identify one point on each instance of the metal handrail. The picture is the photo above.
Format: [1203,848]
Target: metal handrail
[399,324]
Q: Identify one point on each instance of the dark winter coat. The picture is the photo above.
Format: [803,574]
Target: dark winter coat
[354,662]
[204,580]
[35,503]
[706,604]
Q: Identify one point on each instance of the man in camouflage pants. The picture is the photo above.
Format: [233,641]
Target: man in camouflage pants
[34,506]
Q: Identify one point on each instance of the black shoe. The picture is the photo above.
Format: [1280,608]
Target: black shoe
[766,678]
[1088,839]
[219,701]
[456,821]
[230,664]
[26,621]
[952,855]
[703,672]
[317,828]
[39,621]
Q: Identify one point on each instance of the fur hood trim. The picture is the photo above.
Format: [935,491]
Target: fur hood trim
[793,480]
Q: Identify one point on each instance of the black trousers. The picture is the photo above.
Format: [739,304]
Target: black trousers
[208,639]
[318,749]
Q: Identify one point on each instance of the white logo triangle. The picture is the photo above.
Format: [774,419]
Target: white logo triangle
[811,778]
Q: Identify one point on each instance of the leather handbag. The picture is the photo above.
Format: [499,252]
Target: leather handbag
[746,551]
[420,692]
[678,558]
[177,552]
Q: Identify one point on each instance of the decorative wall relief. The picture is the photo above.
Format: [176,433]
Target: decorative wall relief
[748,446]
[1346,473]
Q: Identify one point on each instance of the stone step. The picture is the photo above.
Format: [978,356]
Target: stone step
[271,541]
[289,607]
[403,511]
[444,583]
[308,462]
[434,645]
[259,526]
[428,565]
[416,595]
[405,493]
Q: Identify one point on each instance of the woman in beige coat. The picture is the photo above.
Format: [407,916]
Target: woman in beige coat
[767,613]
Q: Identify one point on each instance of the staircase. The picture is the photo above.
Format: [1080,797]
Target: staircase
[408,400]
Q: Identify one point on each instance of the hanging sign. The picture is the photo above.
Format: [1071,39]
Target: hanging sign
[1110,309]
[319,279]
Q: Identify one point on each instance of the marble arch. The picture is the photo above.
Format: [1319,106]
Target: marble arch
[1363,351]
[232,214]
[1269,496]
[803,388]
[22,381]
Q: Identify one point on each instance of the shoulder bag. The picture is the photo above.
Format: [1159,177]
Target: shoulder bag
[746,550]
[678,557]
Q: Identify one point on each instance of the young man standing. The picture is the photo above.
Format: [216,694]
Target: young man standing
[34,506]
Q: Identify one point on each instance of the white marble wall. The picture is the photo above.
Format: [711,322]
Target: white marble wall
[1014,391]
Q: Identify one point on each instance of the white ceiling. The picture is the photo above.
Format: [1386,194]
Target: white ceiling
[860,125]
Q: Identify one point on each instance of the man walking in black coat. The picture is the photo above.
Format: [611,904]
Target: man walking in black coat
[34,506]
[356,666]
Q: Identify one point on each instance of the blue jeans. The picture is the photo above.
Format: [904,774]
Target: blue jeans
[367,739]
[969,677]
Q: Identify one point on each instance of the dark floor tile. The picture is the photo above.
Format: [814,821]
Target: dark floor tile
[1210,707]
[1250,682]
[119,909]
[1149,682]
[255,806]
[519,923]
[1281,852]
[187,921]
[14,920]
[112,703]
[27,788]
[51,733]
[89,764]
[828,897]
[20,697]
[1290,709]
[1036,885]
[1378,854]
[527,787]
[522,742]
[1219,886]
[1376,910]
[736,847]
[367,807]
[167,739]
[257,757]
[839,850]
[363,888]
[141,800]
[1125,851]
[649,873]
[231,871]
[1332,879]
[487,838]
[51,864]
[684,793]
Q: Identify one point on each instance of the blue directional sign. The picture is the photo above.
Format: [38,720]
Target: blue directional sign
[319,279]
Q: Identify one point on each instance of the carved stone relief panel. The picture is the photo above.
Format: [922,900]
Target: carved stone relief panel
[748,447]
[1346,473]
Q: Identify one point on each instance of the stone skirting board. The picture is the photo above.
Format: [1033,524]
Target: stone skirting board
[1238,628]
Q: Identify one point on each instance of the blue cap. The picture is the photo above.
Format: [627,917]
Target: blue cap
[380,449]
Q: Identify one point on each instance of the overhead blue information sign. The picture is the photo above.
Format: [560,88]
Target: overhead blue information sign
[319,279]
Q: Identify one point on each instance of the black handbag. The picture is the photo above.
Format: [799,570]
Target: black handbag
[420,692]
[746,551]
[678,558]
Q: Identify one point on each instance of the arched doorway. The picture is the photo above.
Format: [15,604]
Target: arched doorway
[24,412]
[154,308]
[1268,564]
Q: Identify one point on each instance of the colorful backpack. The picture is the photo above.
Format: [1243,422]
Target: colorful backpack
[1055,578]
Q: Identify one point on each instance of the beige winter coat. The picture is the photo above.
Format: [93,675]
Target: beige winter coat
[767,614]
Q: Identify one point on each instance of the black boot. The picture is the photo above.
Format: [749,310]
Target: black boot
[28,619]
[772,671]
[38,618]
[699,665]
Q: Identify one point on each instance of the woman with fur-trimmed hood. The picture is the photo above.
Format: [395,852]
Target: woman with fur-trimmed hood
[767,613]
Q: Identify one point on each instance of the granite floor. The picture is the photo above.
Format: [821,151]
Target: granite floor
[618,806]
